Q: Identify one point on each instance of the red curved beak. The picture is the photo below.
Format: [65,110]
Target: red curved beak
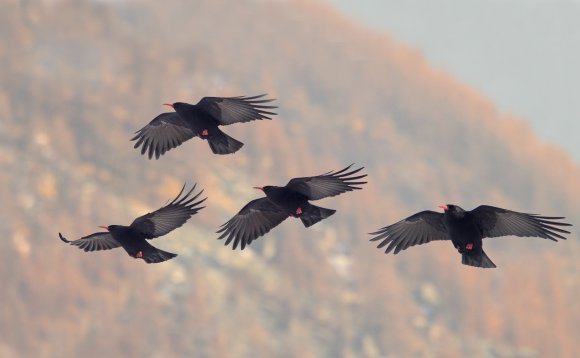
[103,227]
[259,187]
[168,104]
[443,206]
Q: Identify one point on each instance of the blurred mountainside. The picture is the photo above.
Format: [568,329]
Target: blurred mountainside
[520,53]
[78,78]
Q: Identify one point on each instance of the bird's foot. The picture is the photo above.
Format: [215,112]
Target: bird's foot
[469,246]
[139,254]
[297,212]
[204,132]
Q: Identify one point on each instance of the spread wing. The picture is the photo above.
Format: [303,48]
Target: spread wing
[254,220]
[417,229]
[327,184]
[228,110]
[94,242]
[495,222]
[169,217]
[165,132]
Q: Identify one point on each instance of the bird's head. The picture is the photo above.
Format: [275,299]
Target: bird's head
[265,189]
[452,209]
[177,105]
[109,228]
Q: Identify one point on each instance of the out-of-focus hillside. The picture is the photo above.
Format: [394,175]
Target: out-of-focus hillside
[78,78]
[523,54]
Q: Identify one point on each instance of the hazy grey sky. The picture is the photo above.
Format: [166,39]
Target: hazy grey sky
[523,54]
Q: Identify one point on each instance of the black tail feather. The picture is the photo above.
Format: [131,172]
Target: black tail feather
[153,255]
[222,143]
[476,260]
[313,214]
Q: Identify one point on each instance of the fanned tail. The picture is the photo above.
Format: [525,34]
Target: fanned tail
[222,143]
[153,255]
[477,260]
[313,214]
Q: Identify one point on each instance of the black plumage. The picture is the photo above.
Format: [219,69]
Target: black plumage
[259,216]
[133,238]
[169,130]
[466,229]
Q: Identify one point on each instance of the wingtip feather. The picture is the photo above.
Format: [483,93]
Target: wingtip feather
[63,238]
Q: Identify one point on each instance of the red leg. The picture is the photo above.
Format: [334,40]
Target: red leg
[469,246]
[139,254]
[204,132]
[299,211]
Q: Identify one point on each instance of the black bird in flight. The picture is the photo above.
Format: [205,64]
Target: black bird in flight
[261,215]
[133,238]
[466,229]
[169,130]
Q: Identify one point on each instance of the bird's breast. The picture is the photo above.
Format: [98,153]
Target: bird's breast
[287,200]
[462,230]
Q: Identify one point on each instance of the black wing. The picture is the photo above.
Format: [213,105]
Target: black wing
[417,229]
[327,184]
[228,110]
[494,222]
[94,242]
[165,132]
[254,220]
[169,217]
